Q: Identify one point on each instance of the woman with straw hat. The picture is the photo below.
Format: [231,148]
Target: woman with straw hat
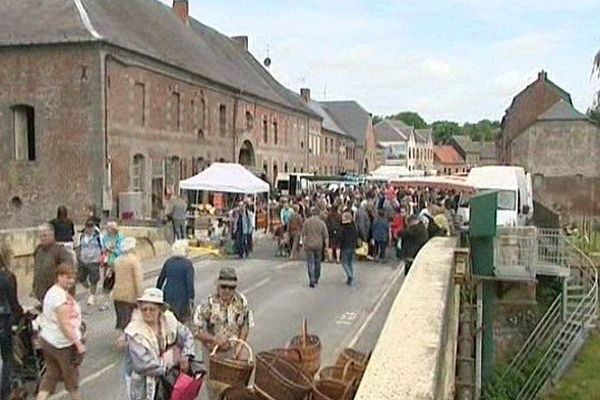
[156,341]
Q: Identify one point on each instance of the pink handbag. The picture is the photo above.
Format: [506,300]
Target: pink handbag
[186,387]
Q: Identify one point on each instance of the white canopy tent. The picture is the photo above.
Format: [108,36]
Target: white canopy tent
[227,178]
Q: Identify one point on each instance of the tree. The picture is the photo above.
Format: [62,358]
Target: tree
[444,130]
[594,114]
[377,119]
[484,129]
[410,118]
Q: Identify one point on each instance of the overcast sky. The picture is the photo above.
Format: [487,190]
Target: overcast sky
[460,60]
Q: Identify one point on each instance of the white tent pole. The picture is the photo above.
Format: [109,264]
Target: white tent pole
[268,210]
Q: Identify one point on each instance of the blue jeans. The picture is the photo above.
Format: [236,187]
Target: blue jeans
[348,263]
[313,262]
[380,249]
[6,350]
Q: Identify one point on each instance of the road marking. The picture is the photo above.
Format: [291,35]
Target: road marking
[257,285]
[85,380]
[346,318]
[376,308]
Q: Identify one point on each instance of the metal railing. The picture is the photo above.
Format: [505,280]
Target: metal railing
[553,344]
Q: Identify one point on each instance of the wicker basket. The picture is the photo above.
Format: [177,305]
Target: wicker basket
[343,374]
[232,371]
[309,347]
[278,379]
[358,361]
[238,394]
[327,389]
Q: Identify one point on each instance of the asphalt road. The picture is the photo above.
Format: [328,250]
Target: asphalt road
[279,296]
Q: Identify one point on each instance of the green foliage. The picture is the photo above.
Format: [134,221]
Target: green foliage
[410,118]
[594,114]
[377,119]
[444,130]
[484,129]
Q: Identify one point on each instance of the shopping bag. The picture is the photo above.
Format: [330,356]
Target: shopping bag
[186,387]
[363,250]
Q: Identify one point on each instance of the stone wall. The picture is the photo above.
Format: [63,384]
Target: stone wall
[151,242]
[564,160]
[414,357]
[62,84]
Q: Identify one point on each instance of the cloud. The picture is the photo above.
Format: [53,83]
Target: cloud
[532,44]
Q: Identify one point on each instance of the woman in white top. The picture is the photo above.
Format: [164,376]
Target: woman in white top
[60,332]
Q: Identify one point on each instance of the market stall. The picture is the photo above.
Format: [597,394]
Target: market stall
[224,178]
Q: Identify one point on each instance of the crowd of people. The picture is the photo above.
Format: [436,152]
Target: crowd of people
[337,224]
[156,328]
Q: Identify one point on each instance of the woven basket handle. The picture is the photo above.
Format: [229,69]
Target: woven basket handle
[240,344]
[346,368]
[304,332]
[295,349]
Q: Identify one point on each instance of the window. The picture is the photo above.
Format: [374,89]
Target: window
[173,171]
[140,103]
[223,120]
[175,111]
[200,164]
[24,132]
[285,167]
[137,173]
[326,145]
[202,119]
[265,131]
[249,121]
[301,145]
[275,133]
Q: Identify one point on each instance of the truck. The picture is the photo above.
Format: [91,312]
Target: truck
[515,194]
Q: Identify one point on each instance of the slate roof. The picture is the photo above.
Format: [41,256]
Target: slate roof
[147,27]
[562,111]
[350,116]
[465,144]
[423,135]
[487,151]
[328,121]
[447,155]
[388,131]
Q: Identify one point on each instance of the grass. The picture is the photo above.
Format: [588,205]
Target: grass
[582,381]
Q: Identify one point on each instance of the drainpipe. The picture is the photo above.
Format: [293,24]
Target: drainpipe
[479,341]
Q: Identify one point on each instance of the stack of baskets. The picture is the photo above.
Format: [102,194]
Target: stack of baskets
[340,382]
[304,351]
[277,379]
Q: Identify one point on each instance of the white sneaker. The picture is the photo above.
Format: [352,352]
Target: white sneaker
[91,300]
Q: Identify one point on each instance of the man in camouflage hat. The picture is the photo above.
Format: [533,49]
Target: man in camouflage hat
[224,315]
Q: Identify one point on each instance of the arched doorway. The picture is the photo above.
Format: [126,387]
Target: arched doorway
[246,157]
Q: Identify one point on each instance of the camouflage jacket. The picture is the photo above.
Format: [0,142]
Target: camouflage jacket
[217,318]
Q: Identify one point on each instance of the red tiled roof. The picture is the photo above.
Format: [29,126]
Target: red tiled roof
[447,155]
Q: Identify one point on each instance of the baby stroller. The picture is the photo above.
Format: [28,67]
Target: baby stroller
[28,364]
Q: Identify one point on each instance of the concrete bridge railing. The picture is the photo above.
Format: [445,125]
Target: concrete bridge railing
[415,355]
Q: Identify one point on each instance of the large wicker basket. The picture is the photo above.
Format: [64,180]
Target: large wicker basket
[239,394]
[277,379]
[357,359]
[328,389]
[309,347]
[234,371]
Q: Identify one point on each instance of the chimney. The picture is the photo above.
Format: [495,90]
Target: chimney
[542,75]
[182,9]
[241,41]
[305,93]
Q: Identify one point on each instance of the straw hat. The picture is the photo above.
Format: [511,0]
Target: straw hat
[152,295]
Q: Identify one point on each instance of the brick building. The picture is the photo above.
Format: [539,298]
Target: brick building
[104,97]
[447,161]
[558,145]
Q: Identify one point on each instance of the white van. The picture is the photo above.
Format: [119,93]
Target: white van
[515,197]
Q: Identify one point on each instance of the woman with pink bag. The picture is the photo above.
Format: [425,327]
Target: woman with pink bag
[156,343]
